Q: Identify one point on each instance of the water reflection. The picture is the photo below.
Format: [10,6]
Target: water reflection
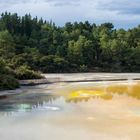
[82,111]
[29,102]
[105,92]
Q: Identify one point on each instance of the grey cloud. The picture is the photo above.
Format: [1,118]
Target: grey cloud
[66,4]
[60,3]
[13,1]
[53,2]
[122,6]
[8,3]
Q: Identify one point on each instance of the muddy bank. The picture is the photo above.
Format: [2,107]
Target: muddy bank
[33,82]
[82,77]
[75,77]
[91,76]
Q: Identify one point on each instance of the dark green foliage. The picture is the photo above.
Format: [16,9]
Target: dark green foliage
[7,79]
[8,82]
[24,72]
[28,44]
[53,63]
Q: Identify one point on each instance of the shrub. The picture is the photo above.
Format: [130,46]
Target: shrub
[24,73]
[83,68]
[8,82]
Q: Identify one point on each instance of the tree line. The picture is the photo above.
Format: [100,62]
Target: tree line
[28,43]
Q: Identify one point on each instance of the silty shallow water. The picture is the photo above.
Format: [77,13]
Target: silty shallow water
[44,112]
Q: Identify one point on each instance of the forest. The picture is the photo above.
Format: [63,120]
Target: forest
[30,46]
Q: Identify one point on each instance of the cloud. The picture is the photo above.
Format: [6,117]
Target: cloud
[122,6]
[60,3]
[55,2]
[13,1]
[66,4]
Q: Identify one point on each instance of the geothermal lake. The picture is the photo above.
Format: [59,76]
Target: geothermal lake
[102,110]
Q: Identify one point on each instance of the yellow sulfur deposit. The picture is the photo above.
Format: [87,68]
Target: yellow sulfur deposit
[106,92]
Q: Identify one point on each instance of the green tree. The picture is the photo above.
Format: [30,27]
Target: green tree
[7,48]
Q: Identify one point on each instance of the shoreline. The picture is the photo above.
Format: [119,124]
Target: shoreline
[72,78]
[55,80]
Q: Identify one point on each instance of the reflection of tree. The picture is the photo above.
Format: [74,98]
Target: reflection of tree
[132,90]
[3,97]
[13,104]
[44,100]
[80,99]
[86,99]
[29,102]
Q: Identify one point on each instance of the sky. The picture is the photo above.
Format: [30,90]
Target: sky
[122,13]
